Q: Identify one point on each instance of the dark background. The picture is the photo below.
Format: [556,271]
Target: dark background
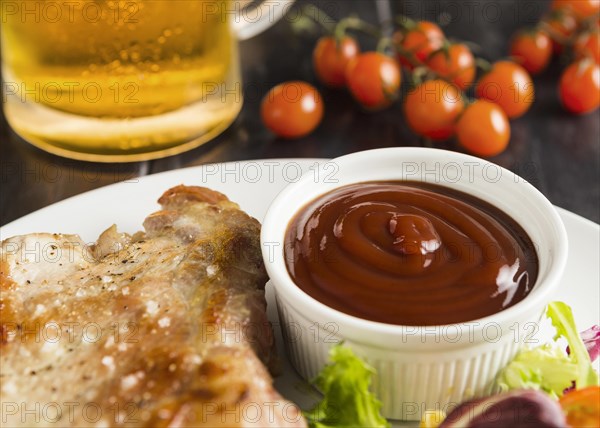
[556,152]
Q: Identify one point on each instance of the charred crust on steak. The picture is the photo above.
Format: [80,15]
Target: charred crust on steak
[181,195]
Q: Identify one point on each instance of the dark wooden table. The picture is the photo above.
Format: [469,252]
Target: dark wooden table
[558,153]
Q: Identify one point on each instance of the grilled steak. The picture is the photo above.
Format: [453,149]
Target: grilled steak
[166,327]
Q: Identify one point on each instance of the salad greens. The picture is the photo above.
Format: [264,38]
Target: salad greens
[345,381]
[562,318]
[549,368]
[347,400]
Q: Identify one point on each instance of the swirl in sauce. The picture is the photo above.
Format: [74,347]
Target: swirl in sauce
[409,253]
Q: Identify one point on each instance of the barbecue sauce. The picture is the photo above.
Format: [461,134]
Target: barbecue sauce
[409,253]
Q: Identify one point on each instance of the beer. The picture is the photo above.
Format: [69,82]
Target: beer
[118,72]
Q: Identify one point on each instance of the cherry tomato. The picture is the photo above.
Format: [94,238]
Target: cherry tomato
[581,8]
[561,24]
[588,45]
[532,49]
[420,41]
[292,109]
[330,59]
[579,87]
[582,407]
[508,85]
[373,80]
[431,109]
[483,129]
[456,63]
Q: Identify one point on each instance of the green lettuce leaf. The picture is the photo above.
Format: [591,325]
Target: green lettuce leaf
[548,367]
[562,319]
[347,401]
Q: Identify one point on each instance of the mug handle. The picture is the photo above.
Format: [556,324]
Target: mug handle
[254,16]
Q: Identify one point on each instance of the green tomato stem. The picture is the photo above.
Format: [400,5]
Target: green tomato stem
[385,45]
[405,22]
[355,23]
[483,65]
[319,16]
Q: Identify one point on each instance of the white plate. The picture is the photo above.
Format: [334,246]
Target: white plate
[253,185]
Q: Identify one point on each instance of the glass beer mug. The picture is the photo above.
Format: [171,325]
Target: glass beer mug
[125,80]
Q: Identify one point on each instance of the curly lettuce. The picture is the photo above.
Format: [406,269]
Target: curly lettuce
[549,368]
[347,401]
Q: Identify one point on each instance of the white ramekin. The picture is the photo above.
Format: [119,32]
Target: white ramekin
[418,368]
